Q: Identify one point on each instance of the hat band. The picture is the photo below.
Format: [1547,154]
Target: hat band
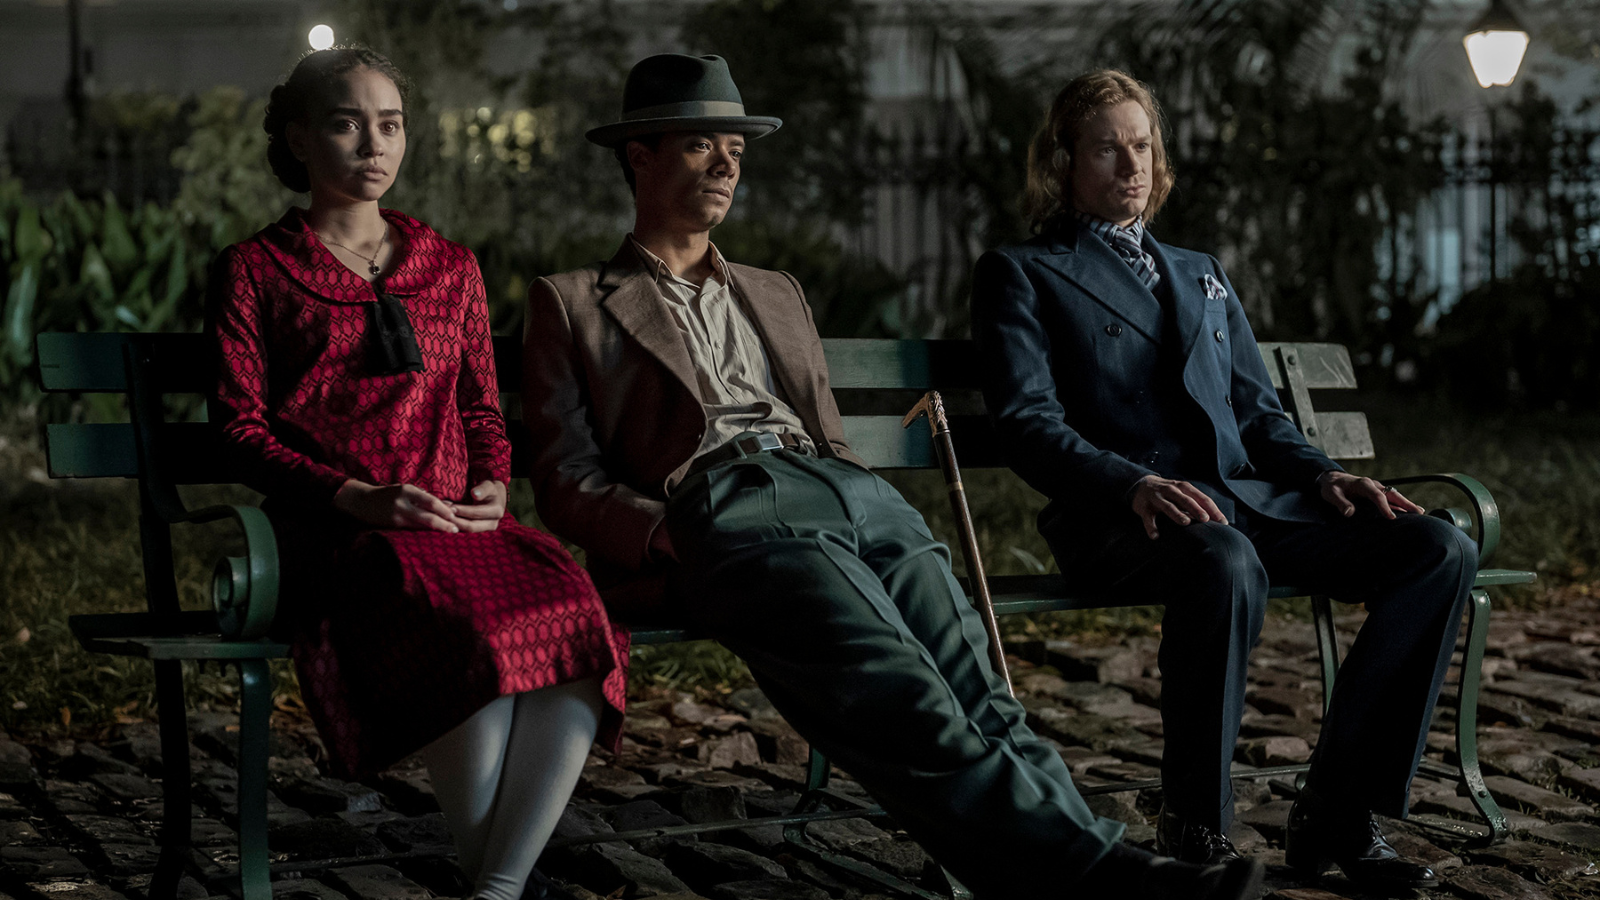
[693,109]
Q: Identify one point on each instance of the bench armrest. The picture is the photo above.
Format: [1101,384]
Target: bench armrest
[1484,509]
[244,589]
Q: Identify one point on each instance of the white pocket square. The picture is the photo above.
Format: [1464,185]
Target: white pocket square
[1214,288]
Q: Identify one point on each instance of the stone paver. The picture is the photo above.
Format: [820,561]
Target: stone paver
[79,819]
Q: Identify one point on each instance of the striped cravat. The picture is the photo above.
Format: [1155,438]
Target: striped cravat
[1128,242]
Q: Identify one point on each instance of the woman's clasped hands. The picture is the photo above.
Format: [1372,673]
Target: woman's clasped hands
[408,506]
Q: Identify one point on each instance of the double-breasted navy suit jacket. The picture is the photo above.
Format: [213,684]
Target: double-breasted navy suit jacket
[1091,385]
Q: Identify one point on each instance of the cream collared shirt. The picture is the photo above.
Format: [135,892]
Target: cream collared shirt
[735,379]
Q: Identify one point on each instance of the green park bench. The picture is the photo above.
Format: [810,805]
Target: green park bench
[869,376]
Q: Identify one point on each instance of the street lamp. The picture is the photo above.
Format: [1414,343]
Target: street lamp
[320,38]
[1495,46]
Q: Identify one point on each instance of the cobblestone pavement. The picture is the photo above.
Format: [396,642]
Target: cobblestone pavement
[78,819]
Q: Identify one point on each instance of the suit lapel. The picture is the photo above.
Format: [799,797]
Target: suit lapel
[1091,265]
[782,331]
[634,301]
[1188,298]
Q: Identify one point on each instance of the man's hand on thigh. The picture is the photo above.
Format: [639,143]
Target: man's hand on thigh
[1179,501]
[1342,489]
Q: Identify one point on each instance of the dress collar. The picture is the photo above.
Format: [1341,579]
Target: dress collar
[303,257]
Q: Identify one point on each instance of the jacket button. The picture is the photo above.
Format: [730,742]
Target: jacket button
[1228,400]
[1114,330]
[1220,335]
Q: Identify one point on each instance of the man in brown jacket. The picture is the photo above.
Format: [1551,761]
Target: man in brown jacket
[684,434]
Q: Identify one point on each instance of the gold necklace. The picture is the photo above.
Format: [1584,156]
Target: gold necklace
[372,261]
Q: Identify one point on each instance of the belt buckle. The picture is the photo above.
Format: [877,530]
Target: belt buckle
[766,440]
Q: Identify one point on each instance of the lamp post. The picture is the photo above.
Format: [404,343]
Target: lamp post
[1495,45]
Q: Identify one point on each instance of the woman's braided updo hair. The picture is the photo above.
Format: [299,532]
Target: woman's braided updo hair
[292,100]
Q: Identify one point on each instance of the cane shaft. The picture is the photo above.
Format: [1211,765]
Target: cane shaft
[969,541]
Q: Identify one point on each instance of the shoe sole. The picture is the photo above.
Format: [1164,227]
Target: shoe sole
[1392,888]
[1315,870]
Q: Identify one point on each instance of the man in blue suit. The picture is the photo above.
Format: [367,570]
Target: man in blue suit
[1123,377]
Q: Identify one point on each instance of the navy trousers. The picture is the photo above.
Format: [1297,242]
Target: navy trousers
[831,588]
[1414,573]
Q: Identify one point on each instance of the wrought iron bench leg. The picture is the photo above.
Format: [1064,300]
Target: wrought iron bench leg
[1327,655]
[1466,702]
[1467,717]
[255,712]
[1327,645]
[176,820]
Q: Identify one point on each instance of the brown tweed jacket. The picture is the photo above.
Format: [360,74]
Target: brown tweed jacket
[610,400]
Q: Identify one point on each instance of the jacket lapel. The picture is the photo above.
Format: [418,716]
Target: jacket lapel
[1188,298]
[1087,262]
[781,332]
[634,301]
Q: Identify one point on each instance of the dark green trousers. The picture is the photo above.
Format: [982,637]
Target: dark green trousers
[831,588]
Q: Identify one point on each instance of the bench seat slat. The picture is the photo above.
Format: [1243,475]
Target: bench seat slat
[186,635]
[1014,594]
[212,646]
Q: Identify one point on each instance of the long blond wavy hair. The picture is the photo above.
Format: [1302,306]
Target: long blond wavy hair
[1048,192]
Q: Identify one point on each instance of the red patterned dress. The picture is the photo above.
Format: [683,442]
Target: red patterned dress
[399,635]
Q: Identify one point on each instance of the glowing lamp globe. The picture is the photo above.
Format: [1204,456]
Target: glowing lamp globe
[321,37]
[1495,46]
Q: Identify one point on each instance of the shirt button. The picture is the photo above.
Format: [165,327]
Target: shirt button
[1114,330]
[1220,335]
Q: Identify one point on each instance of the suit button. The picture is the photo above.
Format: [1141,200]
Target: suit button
[1228,400]
[1220,335]
[1114,330]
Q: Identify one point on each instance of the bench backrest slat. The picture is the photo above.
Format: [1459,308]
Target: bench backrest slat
[1321,365]
[93,362]
[191,451]
[867,364]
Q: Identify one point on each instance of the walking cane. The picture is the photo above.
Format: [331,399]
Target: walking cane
[932,404]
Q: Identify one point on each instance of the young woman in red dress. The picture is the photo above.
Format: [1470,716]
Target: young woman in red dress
[356,381]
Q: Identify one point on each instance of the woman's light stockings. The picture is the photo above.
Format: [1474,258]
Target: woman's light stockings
[503,777]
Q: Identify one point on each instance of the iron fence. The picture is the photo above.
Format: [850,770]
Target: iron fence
[1503,203]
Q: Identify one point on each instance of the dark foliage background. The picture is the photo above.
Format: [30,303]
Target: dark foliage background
[1307,187]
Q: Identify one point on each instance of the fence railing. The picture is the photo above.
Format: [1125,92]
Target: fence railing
[923,222]
[1496,198]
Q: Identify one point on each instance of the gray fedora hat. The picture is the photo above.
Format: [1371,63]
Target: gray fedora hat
[674,92]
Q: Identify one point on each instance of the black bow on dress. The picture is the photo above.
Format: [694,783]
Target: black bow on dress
[391,344]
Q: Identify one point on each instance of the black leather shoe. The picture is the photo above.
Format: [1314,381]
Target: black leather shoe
[1318,835]
[1191,843]
[1127,872]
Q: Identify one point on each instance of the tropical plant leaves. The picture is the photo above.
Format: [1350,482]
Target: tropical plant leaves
[20,299]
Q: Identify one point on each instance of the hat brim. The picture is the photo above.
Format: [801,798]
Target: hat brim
[618,133]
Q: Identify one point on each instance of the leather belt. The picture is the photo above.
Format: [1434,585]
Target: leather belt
[764,442]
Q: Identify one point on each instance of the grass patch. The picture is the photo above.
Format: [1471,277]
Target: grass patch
[70,547]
